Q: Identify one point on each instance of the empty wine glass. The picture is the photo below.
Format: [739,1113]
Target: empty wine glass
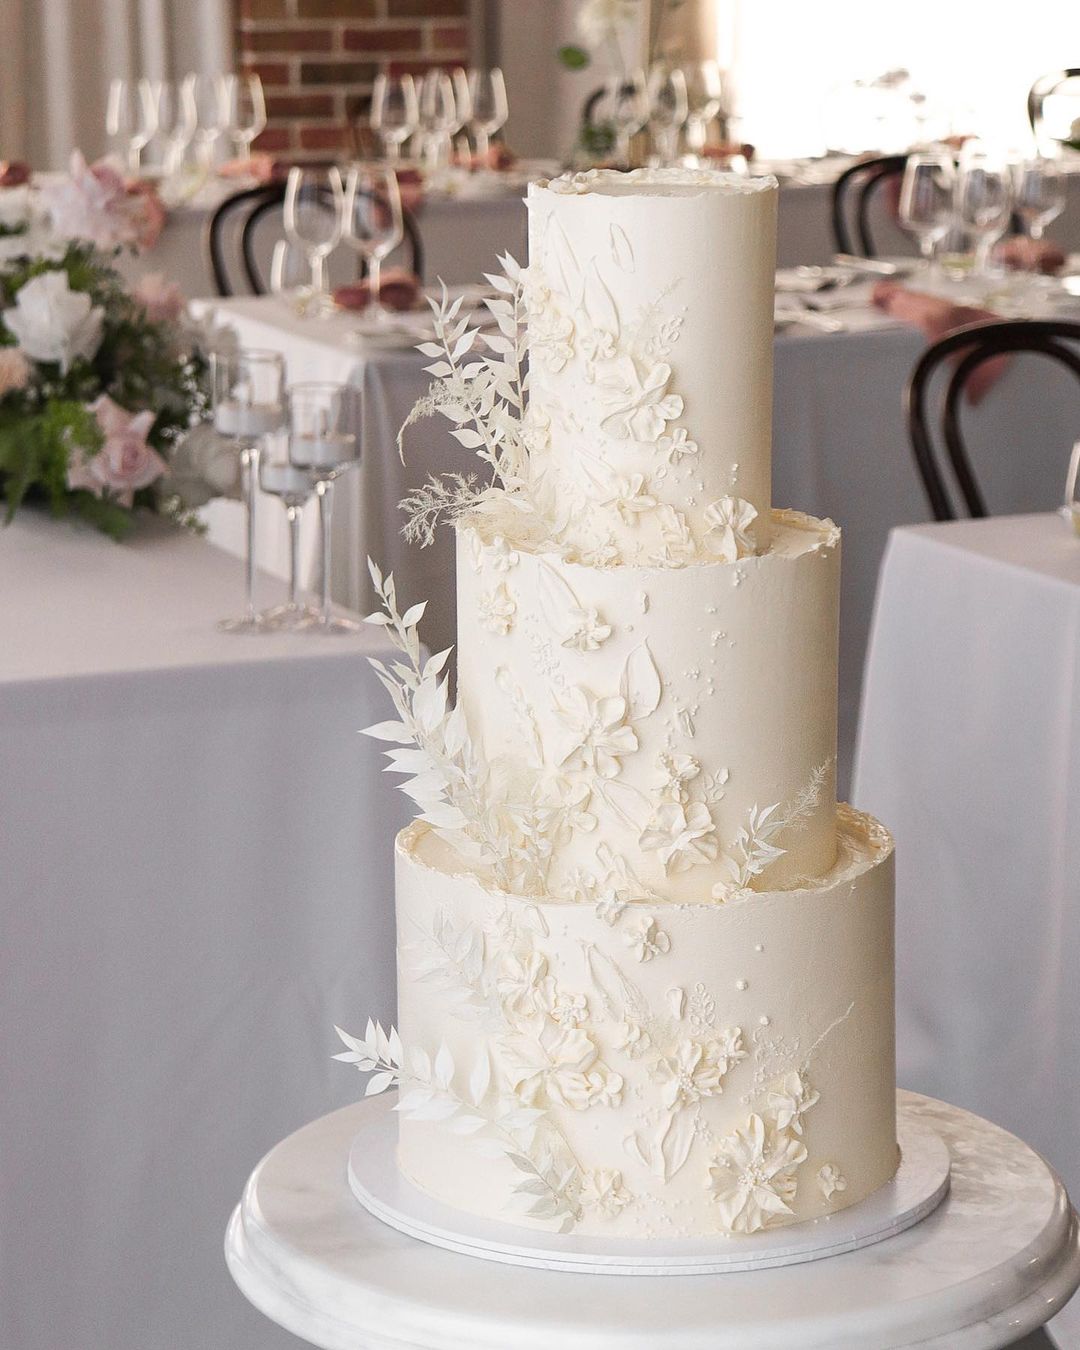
[488,108]
[668,109]
[131,118]
[175,120]
[983,202]
[704,94]
[208,109]
[321,443]
[462,103]
[279,477]
[1040,194]
[290,275]
[248,403]
[373,223]
[247,110]
[926,200]
[395,111]
[314,204]
[627,104]
[438,117]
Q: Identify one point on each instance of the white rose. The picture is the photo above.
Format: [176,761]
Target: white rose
[51,322]
[14,208]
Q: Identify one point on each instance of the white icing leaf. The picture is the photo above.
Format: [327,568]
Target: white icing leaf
[557,598]
[562,263]
[676,1142]
[622,252]
[599,303]
[628,803]
[640,685]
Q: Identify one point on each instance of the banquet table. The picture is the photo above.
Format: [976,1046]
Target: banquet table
[840,450]
[196,886]
[969,750]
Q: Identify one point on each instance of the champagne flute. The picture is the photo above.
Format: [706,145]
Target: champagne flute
[279,477]
[628,109]
[438,117]
[669,106]
[321,443]
[395,112]
[131,118]
[247,110]
[208,110]
[314,205]
[489,108]
[926,200]
[373,223]
[704,92]
[983,202]
[1040,194]
[248,404]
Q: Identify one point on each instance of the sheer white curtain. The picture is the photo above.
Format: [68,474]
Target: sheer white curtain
[59,56]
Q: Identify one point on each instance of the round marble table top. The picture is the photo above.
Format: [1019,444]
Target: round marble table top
[997,1259]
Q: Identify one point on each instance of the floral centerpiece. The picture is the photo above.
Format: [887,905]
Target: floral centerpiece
[99,385]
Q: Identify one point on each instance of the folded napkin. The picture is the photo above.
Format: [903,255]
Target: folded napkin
[153,214]
[262,168]
[399,289]
[499,158]
[727,149]
[1030,255]
[937,318]
[13,173]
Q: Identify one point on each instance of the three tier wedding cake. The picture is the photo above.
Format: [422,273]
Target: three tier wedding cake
[645,960]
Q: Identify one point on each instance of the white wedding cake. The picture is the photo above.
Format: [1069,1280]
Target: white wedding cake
[645,960]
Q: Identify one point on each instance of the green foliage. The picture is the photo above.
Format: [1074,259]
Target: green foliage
[574,58]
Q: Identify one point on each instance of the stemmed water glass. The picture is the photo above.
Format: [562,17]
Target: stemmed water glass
[1040,194]
[131,118]
[175,119]
[395,111]
[321,444]
[926,200]
[247,110]
[704,93]
[489,108]
[628,109]
[668,109]
[279,477]
[290,275]
[459,77]
[314,205]
[438,117]
[373,223]
[248,403]
[208,110]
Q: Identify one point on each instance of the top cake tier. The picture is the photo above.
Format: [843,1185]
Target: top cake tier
[650,303]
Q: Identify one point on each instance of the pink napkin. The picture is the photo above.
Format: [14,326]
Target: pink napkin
[499,158]
[153,213]
[399,289]
[1030,255]
[937,318]
[13,173]
[262,168]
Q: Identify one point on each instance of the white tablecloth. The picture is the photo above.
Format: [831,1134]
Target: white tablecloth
[195,885]
[969,751]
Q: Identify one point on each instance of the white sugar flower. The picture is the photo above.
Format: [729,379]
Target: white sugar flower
[646,940]
[525,988]
[677,445]
[631,498]
[587,632]
[789,1099]
[682,835]
[730,535]
[830,1180]
[551,338]
[632,1039]
[595,734]
[501,555]
[610,905]
[563,807]
[51,322]
[603,1190]
[690,1072]
[570,1010]
[497,610]
[561,1066]
[599,1086]
[535,429]
[641,408]
[753,1178]
[596,345]
[673,773]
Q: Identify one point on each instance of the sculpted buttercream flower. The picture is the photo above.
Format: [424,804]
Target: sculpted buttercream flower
[51,322]
[677,445]
[753,1178]
[789,1099]
[595,734]
[125,463]
[497,610]
[603,1190]
[587,632]
[646,940]
[830,1180]
[631,498]
[730,533]
[681,835]
[688,1074]
[641,407]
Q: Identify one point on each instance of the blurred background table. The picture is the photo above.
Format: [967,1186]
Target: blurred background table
[197,884]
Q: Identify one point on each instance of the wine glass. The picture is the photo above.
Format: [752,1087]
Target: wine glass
[208,110]
[175,120]
[279,477]
[248,403]
[438,117]
[668,109]
[488,108]
[926,200]
[1040,194]
[131,118]
[983,202]
[628,109]
[321,444]
[395,111]
[314,205]
[704,93]
[247,110]
[373,223]
[459,77]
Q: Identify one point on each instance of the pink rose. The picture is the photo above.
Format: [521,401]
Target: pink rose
[162,300]
[148,213]
[95,204]
[125,463]
[14,370]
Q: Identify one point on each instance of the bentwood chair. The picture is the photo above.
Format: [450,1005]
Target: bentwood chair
[966,350]
[222,228]
[852,194]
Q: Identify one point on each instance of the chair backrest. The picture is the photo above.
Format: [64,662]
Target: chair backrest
[221,226]
[971,347]
[860,181]
[413,242]
[1043,87]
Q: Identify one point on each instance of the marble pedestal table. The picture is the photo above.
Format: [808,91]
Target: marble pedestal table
[995,1261]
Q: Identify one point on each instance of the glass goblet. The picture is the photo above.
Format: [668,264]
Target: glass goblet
[489,108]
[131,118]
[984,200]
[247,111]
[395,112]
[314,206]
[279,477]
[668,110]
[373,226]
[248,404]
[926,200]
[627,108]
[1040,195]
[321,444]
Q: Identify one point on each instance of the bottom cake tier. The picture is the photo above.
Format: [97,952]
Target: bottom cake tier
[650,1071]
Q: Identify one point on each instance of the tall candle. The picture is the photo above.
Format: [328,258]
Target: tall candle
[323,452]
[247,420]
[284,479]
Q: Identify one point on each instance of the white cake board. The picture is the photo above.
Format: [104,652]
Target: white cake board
[920,1184]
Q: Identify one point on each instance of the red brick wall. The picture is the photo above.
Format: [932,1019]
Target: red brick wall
[318,58]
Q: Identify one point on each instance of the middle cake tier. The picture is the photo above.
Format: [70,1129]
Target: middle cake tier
[671,730]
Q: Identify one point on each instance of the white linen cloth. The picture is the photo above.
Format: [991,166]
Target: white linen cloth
[969,752]
[195,886]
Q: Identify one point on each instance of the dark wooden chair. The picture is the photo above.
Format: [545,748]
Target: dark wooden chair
[971,347]
[1043,87]
[232,215]
[852,194]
